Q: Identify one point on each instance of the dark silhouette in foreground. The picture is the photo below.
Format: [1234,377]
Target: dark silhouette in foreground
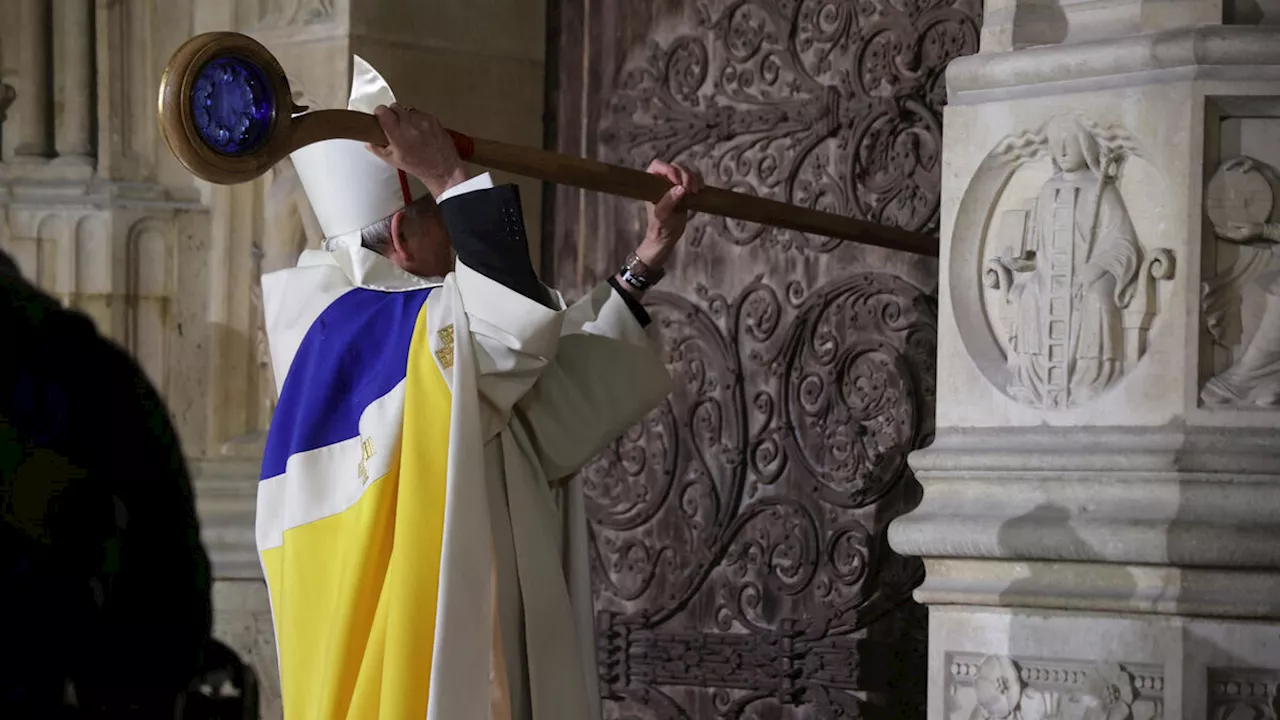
[104,582]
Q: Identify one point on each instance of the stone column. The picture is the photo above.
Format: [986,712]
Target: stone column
[32,106]
[73,69]
[1100,520]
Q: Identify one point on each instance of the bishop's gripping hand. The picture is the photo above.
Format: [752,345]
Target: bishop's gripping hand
[419,145]
[668,217]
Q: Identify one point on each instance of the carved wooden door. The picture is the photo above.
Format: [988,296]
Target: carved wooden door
[740,567]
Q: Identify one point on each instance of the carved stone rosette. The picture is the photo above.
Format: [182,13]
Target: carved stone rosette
[996,687]
[1244,694]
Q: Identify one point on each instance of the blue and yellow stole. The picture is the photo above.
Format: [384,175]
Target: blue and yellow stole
[351,516]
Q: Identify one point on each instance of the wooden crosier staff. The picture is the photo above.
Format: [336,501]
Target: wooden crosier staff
[226,112]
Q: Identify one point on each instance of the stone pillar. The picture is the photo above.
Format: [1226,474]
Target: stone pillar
[73,69]
[32,106]
[225,500]
[1100,520]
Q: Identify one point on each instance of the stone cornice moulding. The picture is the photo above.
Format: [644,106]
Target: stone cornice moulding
[1224,52]
[1100,587]
[48,187]
[1156,496]
[1099,448]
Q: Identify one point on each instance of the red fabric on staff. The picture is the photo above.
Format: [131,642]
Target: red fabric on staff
[404,187]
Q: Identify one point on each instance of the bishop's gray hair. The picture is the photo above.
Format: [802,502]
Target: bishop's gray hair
[376,236]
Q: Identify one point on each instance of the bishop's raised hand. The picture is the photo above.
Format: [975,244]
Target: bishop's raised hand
[419,145]
[668,217]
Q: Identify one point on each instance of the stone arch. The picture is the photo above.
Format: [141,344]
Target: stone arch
[51,233]
[92,269]
[149,295]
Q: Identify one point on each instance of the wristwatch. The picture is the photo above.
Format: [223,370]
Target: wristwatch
[638,275]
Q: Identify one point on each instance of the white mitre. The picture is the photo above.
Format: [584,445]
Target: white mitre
[348,186]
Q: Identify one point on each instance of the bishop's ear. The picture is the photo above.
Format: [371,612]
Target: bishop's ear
[401,252]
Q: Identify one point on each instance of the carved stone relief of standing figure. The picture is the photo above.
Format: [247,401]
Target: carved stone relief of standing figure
[1254,377]
[1079,261]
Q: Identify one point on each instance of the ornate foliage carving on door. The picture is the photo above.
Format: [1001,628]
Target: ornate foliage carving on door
[740,567]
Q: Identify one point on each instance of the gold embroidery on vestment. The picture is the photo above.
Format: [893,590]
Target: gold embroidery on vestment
[366,454]
[445,353]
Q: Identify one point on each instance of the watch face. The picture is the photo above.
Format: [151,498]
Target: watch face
[635,280]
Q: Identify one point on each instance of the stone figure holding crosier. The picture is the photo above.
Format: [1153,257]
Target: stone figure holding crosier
[1080,258]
